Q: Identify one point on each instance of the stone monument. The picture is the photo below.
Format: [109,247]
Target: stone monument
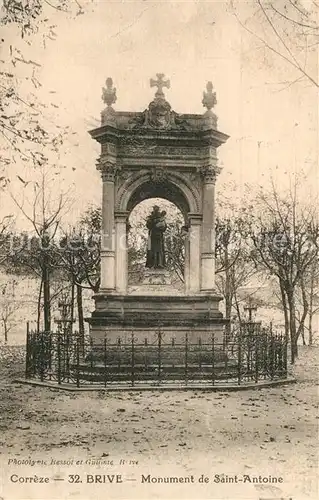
[157,153]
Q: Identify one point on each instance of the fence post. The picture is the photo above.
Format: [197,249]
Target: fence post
[200,354]
[213,358]
[27,352]
[272,345]
[159,358]
[119,354]
[133,359]
[226,354]
[77,361]
[59,356]
[173,357]
[285,356]
[145,353]
[105,362]
[50,354]
[42,357]
[239,358]
[91,351]
[278,365]
[67,357]
[186,358]
[256,356]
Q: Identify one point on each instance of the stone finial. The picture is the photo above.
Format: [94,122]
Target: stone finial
[109,93]
[209,97]
[160,83]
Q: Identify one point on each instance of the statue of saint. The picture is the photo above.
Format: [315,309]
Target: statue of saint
[156,225]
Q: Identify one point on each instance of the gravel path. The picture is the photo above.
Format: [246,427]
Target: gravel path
[249,433]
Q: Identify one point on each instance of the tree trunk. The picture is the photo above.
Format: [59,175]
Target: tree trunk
[238,308]
[293,327]
[72,306]
[39,306]
[285,310]
[79,300]
[310,339]
[228,309]
[301,328]
[310,312]
[5,331]
[46,296]
[302,333]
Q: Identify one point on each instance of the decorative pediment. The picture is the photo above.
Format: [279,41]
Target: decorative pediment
[159,114]
[158,139]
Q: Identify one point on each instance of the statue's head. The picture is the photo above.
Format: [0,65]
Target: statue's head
[156,208]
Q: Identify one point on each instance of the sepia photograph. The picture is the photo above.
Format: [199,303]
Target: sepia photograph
[159,245]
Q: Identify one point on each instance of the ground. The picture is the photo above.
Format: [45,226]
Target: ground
[173,434]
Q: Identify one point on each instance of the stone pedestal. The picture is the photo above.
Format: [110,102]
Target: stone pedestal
[117,316]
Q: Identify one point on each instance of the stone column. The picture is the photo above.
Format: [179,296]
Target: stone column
[208,232]
[107,237]
[195,221]
[121,252]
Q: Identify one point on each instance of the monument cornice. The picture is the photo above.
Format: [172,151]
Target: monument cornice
[172,138]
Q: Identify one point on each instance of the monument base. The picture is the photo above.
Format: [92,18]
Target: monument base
[118,316]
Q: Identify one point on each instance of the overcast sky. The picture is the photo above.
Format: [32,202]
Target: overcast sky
[272,125]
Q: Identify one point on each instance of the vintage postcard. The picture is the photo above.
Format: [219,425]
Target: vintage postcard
[159,242]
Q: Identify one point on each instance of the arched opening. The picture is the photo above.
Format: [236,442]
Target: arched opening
[179,191]
[166,190]
[174,241]
[175,188]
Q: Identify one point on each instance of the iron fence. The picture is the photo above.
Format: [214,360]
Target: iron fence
[73,359]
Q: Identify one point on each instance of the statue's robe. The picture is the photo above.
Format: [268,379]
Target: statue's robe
[155,257]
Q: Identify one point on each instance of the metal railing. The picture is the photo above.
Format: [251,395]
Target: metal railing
[132,361]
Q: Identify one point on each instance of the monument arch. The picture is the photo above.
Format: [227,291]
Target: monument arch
[158,153]
[174,188]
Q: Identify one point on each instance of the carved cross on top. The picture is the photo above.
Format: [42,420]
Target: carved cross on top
[160,83]
[209,97]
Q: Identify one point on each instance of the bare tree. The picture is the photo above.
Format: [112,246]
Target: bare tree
[45,215]
[289,29]
[285,236]
[5,235]
[234,268]
[8,308]
[78,255]
[29,128]
[307,305]
[28,15]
